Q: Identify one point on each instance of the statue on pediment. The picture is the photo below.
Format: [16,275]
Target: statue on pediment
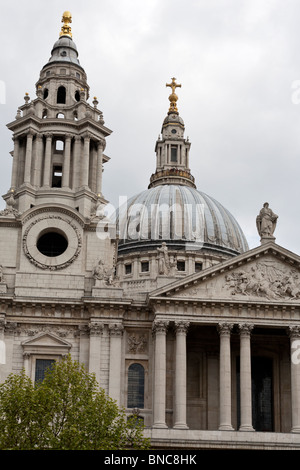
[266,222]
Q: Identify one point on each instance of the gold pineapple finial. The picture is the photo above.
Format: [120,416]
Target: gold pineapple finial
[173,97]
[66,28]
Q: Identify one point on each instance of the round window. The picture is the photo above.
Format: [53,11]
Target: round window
[52,244]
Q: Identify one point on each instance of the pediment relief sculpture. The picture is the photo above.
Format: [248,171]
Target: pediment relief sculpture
[275,282]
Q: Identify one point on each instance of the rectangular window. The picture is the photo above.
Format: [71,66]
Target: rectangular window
[128,268]
[198,267]
[145,266]
[41,365]
[174,154]
[180,265]
[57,176]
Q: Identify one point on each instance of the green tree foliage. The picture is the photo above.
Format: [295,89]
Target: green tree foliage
[66,411]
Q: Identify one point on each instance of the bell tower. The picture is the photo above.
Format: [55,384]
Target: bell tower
[59,139]
[172,149]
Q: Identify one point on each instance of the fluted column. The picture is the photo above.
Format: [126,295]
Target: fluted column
[14,173]
[96,330]
[77,163]
[114,386]
[245,377]
[28,158]
[47,162]
[86,160]
[225,423]
[180,375]
[294,333]
[99,167]
[38,160]
[159,415]
[67,161]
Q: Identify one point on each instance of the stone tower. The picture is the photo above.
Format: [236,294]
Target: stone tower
[59,138]
[56,184]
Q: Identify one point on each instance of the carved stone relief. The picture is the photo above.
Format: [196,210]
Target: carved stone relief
[275,282]
[137,343]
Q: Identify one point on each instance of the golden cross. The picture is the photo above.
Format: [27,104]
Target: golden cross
[173,97]
[173,85]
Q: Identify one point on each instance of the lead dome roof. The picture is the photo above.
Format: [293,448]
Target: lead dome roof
[181,216]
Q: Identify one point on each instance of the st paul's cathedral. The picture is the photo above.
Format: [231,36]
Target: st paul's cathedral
[182,324]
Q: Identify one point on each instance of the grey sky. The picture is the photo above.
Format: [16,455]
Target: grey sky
[239,65]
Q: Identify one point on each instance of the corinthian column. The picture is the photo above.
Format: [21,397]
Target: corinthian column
[86,161]
[159,415]
[180,375]
[245,377]
[224,330]
[99,167]
[14,173]
[28,158]
[294,333]
[67,161]
[47,162]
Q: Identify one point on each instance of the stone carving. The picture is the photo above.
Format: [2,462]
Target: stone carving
[137,343]
[10,210]
[266,221]
[163,259]
[265,280]
[104,275]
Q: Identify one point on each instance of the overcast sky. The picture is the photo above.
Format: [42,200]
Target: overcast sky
[239,65]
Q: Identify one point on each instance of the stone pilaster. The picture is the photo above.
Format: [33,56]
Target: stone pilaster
[96,330]
[114,386]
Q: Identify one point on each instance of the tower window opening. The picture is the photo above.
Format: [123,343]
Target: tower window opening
[174,154]
[45,113]
[61,95]
[75,114]
[57,176]
[60,116]
[77,95]
[46,92]
[59,145]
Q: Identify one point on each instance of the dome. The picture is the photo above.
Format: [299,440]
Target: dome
[64,50]
[181,216]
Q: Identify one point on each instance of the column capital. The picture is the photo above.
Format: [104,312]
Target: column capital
[245,329]
[116,329]
[87,136]
[69,136]
[294,332]
[49,135]
[224,328]
[182,326]
[160,326]
[96,328]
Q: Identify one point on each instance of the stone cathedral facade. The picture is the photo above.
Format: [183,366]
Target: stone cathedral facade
[181,323]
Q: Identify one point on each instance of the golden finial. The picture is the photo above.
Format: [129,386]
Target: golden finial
[66,28]
[173,97]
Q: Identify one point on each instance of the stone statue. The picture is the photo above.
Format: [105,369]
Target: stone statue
[163,259]
[266,222]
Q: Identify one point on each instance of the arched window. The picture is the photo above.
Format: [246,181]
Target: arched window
[45,93]
[77,95]
[61,95]
[60,115]
[136,386]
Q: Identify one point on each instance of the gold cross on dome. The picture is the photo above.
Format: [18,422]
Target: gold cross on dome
[173,97]
[173,85]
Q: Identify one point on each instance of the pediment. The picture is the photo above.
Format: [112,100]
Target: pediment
[268,273]
[46,341]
